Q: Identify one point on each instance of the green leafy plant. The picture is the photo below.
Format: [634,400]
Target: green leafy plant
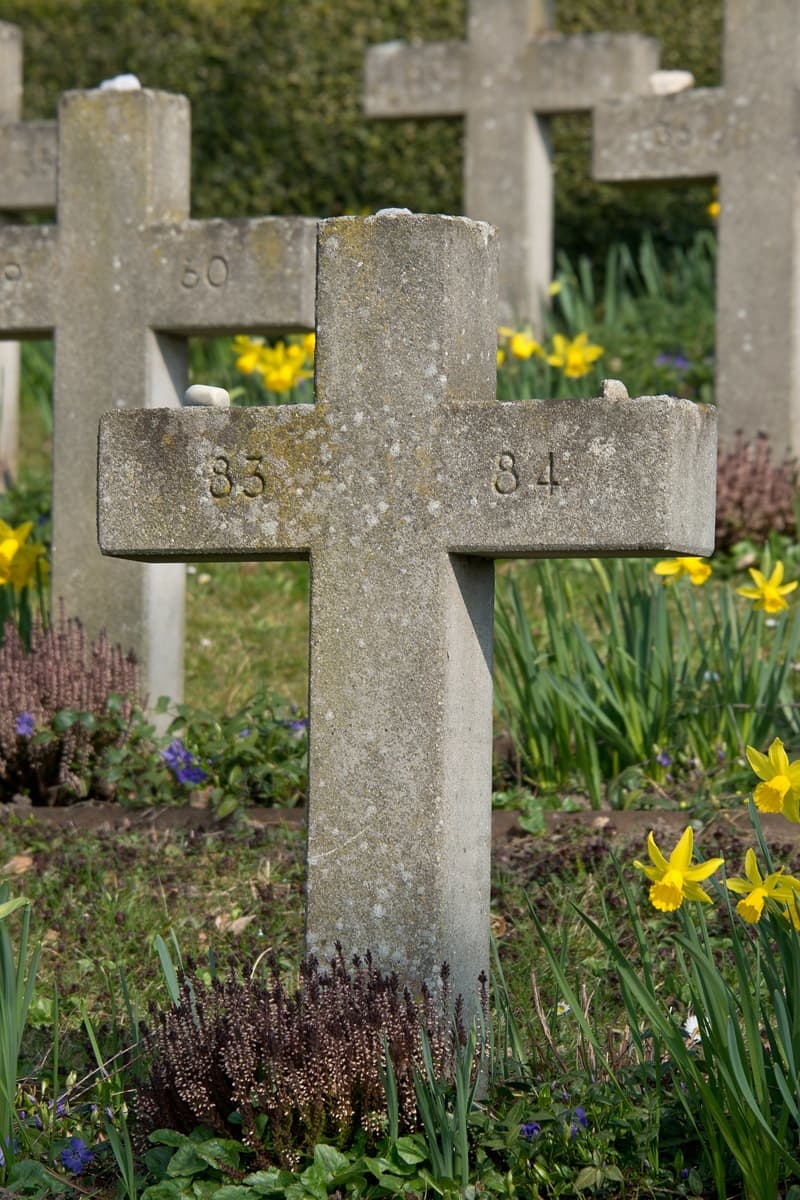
[17,980]
[630,677]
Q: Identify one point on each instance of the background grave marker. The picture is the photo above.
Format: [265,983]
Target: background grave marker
[27,182]
[506,79]
[402,484]
[121,280]
[747,135]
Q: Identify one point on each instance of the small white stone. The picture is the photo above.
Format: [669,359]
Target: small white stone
[121,83]
[613,389]
[203,395]
[666,83]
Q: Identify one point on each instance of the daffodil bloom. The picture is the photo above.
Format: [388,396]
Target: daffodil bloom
[18,561]
[501,356]
[757,889]
[282,367]
[249,353]
[791,912]
[713,209]
[574,357]
[309,344]
[768,593]
[523,346]
[696,568]
[675,879]
[779,791]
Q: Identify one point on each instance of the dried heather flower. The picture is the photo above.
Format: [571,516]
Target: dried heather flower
[55,676]
[294,1069]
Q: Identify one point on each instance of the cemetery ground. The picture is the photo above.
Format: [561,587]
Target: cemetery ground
[600,1084]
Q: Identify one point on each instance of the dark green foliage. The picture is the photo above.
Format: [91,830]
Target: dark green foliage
[258,755]
[283,1071]
[276,89]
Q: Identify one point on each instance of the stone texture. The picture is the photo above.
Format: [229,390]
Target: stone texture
[121,280]
[402,484]
[27,181]
[746,134]
[509,75]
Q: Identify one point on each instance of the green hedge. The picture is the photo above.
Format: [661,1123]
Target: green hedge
[275,87]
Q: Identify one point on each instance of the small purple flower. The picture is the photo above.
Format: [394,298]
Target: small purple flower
[298,727]
[678,362]
[579,1121]
[181,762]
[76,1155]
[25,725]
[663,759]
[529,1130]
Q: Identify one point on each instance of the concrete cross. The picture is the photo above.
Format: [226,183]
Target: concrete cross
[509,76]
[27,182]
[747,135]
[121,281]
[402,484]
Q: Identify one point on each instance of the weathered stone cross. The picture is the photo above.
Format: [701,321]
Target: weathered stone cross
[121,280]
[506,79]
[27,183]
[747,134]
[401,485]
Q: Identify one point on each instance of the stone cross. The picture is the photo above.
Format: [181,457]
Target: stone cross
[27,182]
[747,135]
[506,79]
[121,281]
[402,484]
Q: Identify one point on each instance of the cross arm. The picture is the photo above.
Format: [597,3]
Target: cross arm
[415,81]
[563,478]
[183,484]
[221,277]
[28,270]
[28,156]
[571,74]
[659,137]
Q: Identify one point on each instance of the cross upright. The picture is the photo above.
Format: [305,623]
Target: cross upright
[746,134]
[121,280]
[506,79]
[27,182]
[402,484]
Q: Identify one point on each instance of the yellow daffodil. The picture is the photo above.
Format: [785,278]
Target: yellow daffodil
[675,879]
[779,791]
[523,346]
[696,568]
[768,594]
[574,357]
[713,209]
[249,353]
[309,344]
[282,367]
[18,561]
[501,356]
[756,890]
